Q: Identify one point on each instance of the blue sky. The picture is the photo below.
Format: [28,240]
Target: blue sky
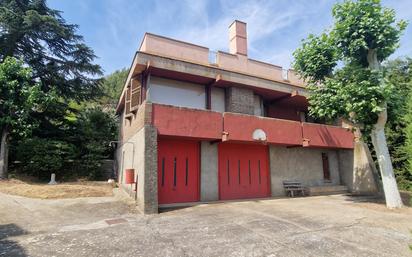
[114,28]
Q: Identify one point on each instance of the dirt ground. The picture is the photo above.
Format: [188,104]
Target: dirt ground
[106,226]
[61,190]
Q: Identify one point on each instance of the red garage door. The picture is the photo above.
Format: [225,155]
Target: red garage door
[178,171]
[243,171]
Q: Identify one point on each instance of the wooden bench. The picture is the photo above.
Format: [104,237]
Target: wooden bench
[293,186]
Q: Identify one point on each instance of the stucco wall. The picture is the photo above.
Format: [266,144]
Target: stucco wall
[302,164]
[209,172]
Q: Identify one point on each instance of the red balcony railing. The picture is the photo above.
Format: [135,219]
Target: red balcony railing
[203,124]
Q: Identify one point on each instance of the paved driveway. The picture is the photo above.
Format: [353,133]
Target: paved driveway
[316,226]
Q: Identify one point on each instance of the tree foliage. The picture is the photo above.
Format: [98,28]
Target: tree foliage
[39,35]
[41,156]
[316,58]
[350,90]
[58,66]
[362,25]
[398,73]
[19,96]
[363,35]
[405,174]
[112,86]
[77,154]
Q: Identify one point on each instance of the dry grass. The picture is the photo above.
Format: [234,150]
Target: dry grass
[62,190]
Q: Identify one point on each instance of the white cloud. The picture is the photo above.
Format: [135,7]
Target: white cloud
[275,28]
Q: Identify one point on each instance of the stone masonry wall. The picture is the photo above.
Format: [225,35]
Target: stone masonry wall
[240,100]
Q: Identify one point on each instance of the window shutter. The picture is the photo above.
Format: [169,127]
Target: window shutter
[135,94]
[128,98]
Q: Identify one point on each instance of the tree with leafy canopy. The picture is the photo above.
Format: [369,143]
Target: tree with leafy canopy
[408,142]
[398,73]
[364,34]
[58,57]
[37,34]
[112,86]
[19,96]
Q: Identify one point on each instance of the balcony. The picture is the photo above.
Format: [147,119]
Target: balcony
[208,125]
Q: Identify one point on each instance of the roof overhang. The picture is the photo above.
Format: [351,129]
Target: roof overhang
[206,74]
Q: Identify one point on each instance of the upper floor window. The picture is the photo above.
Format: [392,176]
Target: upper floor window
[177,93]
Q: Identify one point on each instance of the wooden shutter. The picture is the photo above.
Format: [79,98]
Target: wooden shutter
[135,93]
[128,98]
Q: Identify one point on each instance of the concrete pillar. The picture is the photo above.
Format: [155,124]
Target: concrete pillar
[357,172]
[240,100]
[150,199]
[209,172]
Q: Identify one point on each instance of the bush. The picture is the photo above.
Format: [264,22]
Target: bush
[95,129]
[78,153]
[41,157]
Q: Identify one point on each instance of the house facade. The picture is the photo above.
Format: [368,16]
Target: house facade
[200,126]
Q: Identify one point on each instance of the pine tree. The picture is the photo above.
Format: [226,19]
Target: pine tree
[37,34]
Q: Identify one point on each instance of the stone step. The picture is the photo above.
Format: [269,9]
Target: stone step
[327,190]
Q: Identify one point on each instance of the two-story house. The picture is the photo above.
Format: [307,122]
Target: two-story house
[200,126]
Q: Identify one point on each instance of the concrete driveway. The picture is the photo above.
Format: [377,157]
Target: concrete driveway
[315,226]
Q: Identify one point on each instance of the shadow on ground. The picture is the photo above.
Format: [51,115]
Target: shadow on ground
[406,199]
[364,199]
[9,247]
[171,209]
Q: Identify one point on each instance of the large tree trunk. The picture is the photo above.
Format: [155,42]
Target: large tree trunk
[390,187]
[4,152]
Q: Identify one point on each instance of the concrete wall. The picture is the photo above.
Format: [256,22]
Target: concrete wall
[140,153]
[132,157]
[302,164]
[345,159]
[138,150]
[357,170]
[179,50]
[209,172]
[218,99]
[240,100]
[174,48]
[258,111]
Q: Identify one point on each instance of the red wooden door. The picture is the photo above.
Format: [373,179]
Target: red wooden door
[178,171]
[243,171]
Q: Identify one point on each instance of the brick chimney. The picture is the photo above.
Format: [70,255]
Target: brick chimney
[238,38]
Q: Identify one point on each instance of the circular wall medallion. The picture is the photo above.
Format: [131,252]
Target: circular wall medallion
[259,135]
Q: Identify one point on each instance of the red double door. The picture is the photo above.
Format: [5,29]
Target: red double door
[243,171]
[178,171]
